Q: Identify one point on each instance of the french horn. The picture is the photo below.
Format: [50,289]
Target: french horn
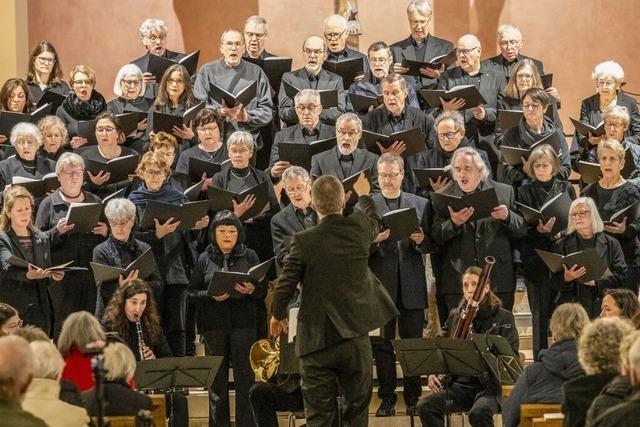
[265,359]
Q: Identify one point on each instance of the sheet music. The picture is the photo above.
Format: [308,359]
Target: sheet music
[293,324]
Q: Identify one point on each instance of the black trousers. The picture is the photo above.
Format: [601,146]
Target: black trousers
[268,398]
[346,365]
[456,398]
[233,345]
[410,325]
[173,314]
[541,300]
[75,292]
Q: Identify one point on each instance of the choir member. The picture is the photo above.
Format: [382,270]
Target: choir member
[335,34]
[173,250]
[15,97]
[233,74]
[479,396]
[108,134]
[312,76]
[534,126]
[308,129]
[54,138]
[76,291]
[585,231]
[129,88]
[420,45]
[256,31]
[509,40]
[228,323]
[25,289]
[399,265]
[83,103]
[44,72]
[165,145]
[608,77]
[464,241]
[542,168]
[611,194]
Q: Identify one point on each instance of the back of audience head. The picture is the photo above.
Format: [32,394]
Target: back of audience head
[619,302]
[568,321]
[15,367]
[79,330]
[32,333]
[47,361]
[599,345]
[119,362]
[625,347]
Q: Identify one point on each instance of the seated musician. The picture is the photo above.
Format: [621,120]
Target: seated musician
[478,395]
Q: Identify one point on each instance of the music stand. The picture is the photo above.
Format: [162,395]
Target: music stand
[427,356]
[503,362]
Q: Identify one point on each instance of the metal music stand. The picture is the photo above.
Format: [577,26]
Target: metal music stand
[503,362]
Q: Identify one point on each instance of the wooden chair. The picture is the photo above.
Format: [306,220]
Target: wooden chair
[506,390]
[529,411]
[542,422]
[159,411]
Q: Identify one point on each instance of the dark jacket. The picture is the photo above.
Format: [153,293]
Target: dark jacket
[70,122]
[631,144]
[542,382]
[615,392]
[236,312]
[406,49]
[121,400]
[371,86]
[159,345]
[499,63]
[12,166]
[462,247]
[284,225]
[36,93]
[116,106]
[300,79]
[578,395]
[590,296]
[293,134]
[508,103]
[399,263]
[624,414]
[29,297]
[12,414]
[92,153]
[341,298]
[328,163]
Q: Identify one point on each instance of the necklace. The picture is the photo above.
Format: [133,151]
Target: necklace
[619,182]
[240,176]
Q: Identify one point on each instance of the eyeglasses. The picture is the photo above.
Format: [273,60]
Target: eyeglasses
[18,324]
[579,214]
[447,135]
[27,142]
[209,129]
[293,191]
[154,174]
[71,174]
[316,52]
[532,105]
[334,36]
[107,129]
[83,82]
[466,52]
[614,125]
[234,151]
[419,22]
[45,61]
[607,83]
[349,133]
[156,38]
[259,36]
[175,81]
[121,223]
[505,43]
[230,45]
[541,165]
[379,60]
[130,82]
[389,175]
[524,76]
[310,108]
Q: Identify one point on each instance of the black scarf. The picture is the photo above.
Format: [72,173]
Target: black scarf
[528,137]
[81,110]
[165,194]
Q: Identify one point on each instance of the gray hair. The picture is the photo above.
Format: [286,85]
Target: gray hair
[337,20]
[475,159]
[231,30]
[597,225]
[68,159]
[47,361]
[307,95]
[15,366]
[421,7]
[391,158]
[608,68]
[505,28]
[125,71]
[296,171]
[25,128]
[454,116]
[349,117]
[121,209]
[619,112]
[568,321]
[152,25]
[599,345]
[78,330]
[119,362]
[241,137]
[257,20]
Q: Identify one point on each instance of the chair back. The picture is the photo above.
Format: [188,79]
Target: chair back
[529,411]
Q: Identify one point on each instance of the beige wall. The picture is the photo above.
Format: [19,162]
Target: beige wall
[570,36]
[13,33]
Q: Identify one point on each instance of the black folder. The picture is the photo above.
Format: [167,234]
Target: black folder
[435,63]
[157,65]
[589,171]
[120,168]
[328,98]
[412,138]
[349,69]
[122,193]
[274,67]
[300,153]
[402,223]
[193,192]
[145,264]
[348,182]
[584,128]
[589,258]
[197,167]
[506,119]
[483,202]
[188,214]
[223,282]
[513,155]
[244,96]
[222,199]
[55,100]
[128,121]
[38,187]
[21,263]
[469,93]
[87,129]
[84,216]
[8,119]
[423,175]
[631,212]
[557,207]
[361,103]
[165,122]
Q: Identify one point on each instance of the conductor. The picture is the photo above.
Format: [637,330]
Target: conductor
[341,301]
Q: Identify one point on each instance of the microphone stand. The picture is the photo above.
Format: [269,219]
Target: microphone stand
[98,373]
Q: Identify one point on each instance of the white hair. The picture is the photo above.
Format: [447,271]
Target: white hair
[608,68]
[257,20]
[475,159]
[296,171]
[126,71]
[152,25]
[421,7]
[47,361]
[506,28]
[597,225]
[25,128]
[306,95]
[66,159]
[349,117]
[121,209]
[241,137]
[119,362]
[336,20]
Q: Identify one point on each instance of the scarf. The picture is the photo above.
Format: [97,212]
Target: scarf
[442,153]
[528,137]
[165,194]
[84,110]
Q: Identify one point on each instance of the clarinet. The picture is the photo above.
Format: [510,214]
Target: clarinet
[141,344]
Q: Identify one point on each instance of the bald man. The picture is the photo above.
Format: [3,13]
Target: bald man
[480,120]
[335,35]
[312,76]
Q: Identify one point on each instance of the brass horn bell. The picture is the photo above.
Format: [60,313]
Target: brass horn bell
[265,359]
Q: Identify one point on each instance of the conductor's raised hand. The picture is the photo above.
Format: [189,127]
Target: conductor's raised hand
[462,216]
[362,186]
[278,327]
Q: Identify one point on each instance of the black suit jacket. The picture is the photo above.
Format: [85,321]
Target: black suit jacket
[399,263]
[284,225]
[328,163]
[498,63]
[300,79]
[341,298]
[294,134]
[435,47]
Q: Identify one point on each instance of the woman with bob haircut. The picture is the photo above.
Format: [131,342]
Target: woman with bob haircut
[45,72]
[54,138]
[619,303]
[586,230]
